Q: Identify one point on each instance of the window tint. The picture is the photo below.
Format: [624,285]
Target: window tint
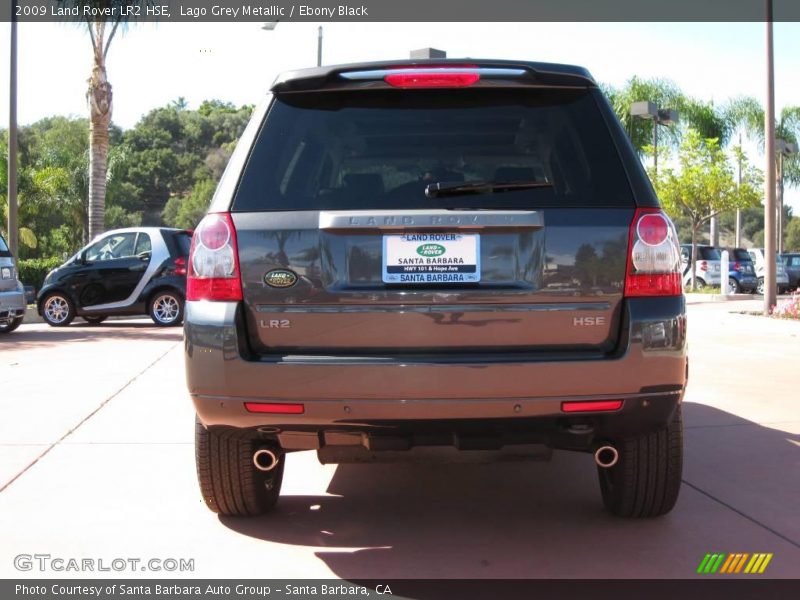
[708,253]
[143,244]
[184,240]
[4,251]
[119,245]
[380,149]
[739,254]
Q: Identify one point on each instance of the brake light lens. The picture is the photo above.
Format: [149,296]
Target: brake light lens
[703,265]
[180,266]
[438,78]
[591,406]
[654,264]
[213,261]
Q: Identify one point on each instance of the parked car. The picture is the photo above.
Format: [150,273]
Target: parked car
[741,272]
[140,270]
[708,269]
[12,293]
[791,263]
[371,278]
[781,277]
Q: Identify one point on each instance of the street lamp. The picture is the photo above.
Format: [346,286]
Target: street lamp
[271,25]
[783,149]
[660,116]
[13,225]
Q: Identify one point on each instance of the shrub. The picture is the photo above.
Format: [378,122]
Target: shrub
[32,271]
[789,309]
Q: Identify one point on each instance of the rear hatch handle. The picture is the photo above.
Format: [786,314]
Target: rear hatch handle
[430,219]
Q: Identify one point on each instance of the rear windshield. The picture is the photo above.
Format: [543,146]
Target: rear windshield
[184,242]
[741,255]
[380,149]
[708,253]
[4,251]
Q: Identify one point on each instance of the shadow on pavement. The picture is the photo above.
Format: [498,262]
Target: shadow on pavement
[531,520]
[44,336]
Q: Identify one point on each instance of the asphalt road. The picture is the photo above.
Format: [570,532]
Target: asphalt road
[96,460]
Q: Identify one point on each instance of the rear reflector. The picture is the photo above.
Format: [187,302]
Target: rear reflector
[274,408]
[432,79]
[591,406]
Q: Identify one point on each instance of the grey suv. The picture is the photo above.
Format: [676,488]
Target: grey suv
[12,293]
[435,253]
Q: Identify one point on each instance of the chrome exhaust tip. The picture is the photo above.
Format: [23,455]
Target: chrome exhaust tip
[265,460]
[606,456]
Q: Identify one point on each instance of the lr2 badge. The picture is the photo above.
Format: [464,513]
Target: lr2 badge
[414,258]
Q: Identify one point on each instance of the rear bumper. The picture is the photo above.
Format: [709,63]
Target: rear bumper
[12,304]
[402,395]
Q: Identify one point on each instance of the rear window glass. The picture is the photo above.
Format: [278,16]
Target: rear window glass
[708,253]
[3,247]
[740,254]
[380,149]
[184,242]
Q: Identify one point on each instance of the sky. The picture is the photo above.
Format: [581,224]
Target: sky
[152,64]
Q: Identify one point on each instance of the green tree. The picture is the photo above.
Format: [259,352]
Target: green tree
[793,235]
[704,185]
[186,212]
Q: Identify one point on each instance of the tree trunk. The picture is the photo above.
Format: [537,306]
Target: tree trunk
[99,99]
[695,227]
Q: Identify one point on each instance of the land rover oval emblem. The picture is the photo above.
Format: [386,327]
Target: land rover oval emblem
[431,250]
[280,278]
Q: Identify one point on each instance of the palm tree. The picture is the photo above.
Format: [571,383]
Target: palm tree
[746,114]
[99,97]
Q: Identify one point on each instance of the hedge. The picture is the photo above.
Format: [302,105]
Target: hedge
[32,271]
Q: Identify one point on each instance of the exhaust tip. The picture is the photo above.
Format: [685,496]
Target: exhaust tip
[265,460]
[606,456]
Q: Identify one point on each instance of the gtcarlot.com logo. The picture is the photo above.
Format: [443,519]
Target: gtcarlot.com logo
[47,562]
[742,562]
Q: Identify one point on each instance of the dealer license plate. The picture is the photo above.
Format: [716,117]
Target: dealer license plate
[419,258]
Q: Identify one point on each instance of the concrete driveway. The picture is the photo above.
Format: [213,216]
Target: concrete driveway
[96,460]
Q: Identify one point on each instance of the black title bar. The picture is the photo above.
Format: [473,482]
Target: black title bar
[233,11]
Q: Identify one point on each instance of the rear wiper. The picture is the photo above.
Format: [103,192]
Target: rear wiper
[435,190]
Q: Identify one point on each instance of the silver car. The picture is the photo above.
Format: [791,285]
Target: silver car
[707,271]
[781,276]
[12,294]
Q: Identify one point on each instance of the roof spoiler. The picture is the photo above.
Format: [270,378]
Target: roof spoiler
[371,75]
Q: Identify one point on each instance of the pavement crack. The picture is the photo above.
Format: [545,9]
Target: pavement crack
[87,417]
[742,514]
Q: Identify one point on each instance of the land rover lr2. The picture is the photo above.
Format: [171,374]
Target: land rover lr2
[458,253]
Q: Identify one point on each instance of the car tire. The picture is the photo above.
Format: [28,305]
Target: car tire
[760,286]
[166,308]
[11,325]
[94,319]
[58,310]
[733,286]
[229,482]
[646,479]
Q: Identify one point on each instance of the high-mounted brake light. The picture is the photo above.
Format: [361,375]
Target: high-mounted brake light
[214,261]
[654,265]
[432,78]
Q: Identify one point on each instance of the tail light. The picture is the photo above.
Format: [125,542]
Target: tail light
[703,264]
[180,266]
[737,266]
[213,272]
[654,264]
